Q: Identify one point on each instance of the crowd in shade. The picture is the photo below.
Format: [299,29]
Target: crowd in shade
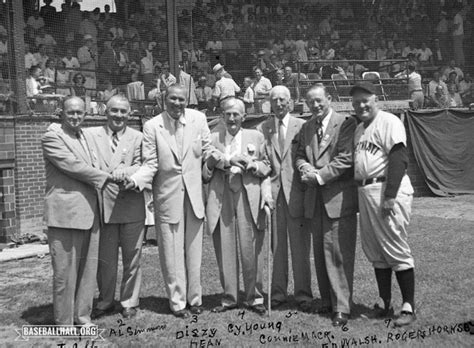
[262,43]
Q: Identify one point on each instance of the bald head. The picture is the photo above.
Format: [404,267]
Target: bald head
[74,112]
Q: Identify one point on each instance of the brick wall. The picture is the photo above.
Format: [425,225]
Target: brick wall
[7,182]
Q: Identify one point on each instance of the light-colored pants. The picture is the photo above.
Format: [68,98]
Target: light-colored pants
[237,228]
[418,99]
[458,48]
[384,240]
[297,230]
[74,255]
[180,247]
[129,237]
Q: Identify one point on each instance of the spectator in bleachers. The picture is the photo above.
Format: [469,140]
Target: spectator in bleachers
[187,82]
[466,89]
[355,45]
[438,57]
[452,79]
[203,94]
[63,79]
[3,47]
[34,23]
[425,55]
[43,38]
[147,68]
[452,67]
[88,27]
[261,85]
[458,36]
[32,84]
[70,60]
[109,63]
[87,57]
[30,59]
[225,86]
[73,21]
[78,89]
[442,34]
[249,95]
[439,99]
[454,99]
[435,83]
[41,57]
[48,13]
[49,72]
[116,30]
[415,88]
[166,78]
[328,52]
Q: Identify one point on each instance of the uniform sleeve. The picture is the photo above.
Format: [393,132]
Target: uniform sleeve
[392,133]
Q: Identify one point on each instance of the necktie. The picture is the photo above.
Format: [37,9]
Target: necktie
[83,144]
[319,130]
[114,142]
[179,136]
[281,136]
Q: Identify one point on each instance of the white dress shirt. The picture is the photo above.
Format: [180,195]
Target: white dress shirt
[285,120]
[233,146]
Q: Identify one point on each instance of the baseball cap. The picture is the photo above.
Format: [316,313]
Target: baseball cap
[365,86]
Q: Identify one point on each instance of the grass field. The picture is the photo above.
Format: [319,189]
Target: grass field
[442,239]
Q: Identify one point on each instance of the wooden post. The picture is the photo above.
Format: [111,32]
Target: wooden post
[17,53]
[173,48]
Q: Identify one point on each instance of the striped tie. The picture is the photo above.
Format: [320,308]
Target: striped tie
[114,142]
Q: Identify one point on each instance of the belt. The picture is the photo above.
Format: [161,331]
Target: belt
[370,181]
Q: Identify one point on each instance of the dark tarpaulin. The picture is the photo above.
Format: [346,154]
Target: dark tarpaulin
[443,144]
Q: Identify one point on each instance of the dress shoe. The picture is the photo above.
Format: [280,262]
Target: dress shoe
[183,314]
[340,319]
[324,310]
[405,318]
[97,313]
[129,312]
[259,309]
[305,307]
[196,309]
[221,309]
[382,313]
[276,303]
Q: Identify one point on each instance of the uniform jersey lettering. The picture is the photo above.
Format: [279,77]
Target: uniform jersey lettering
[367,146]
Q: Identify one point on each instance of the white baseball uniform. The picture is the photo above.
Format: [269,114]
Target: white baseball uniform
[384,240]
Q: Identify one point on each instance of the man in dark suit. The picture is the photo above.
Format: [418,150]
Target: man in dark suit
[72,214]
[324,160]
[119,153]
[280,134]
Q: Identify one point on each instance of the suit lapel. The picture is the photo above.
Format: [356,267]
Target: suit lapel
[328,134]
[188,134]
[76,146]
[166,131]
[104,143]
[272,134]
[290,134]
[122,148]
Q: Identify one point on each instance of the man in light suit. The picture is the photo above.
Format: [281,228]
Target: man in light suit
[72,214]
[119,154]
[174,145]
[324,160]
[280,134]
[235,171]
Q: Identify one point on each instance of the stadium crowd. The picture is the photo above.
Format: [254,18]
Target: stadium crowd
[98,53]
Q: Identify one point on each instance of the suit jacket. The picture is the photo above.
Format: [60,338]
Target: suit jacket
[333,158]
[72,180]
[283,174]
[119,206]
[168,172]
[252,182]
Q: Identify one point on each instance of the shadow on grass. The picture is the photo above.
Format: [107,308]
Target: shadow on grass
[39,315]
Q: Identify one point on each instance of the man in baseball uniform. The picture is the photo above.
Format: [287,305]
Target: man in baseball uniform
[385,198]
